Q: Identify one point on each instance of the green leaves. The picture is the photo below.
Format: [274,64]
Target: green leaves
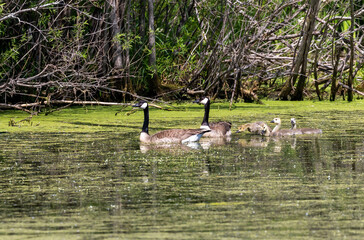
[127,41]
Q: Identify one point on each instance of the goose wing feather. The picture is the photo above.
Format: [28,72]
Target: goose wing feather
[174,135]
[220,128]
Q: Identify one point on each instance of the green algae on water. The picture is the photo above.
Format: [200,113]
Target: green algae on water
[82,174]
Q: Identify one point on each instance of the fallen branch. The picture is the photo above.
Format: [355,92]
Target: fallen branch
[4,105]
[352,89]
[87,103]
[194,92]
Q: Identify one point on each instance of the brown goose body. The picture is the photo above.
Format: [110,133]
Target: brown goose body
[310,131]
[171,135]
[168,136]
[304,130]
[218,129]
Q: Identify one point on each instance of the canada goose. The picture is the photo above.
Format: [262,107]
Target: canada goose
[304,130]
[279,132]
[167,136]
[254,128]
[218,129]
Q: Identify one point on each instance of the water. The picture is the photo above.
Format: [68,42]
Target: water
[105,185]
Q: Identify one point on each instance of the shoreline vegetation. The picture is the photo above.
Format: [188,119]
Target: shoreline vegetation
[125,118]
[60,53]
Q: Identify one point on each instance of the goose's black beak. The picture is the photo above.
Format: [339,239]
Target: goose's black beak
[237,131]
[196,101]
[272,121]
[137,104]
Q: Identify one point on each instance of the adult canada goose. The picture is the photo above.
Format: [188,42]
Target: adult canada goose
[279,132]
[254,128]
[218,129]
[304,130]
[167,136]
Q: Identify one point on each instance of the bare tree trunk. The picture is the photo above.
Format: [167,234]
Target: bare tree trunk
[334,84]
[315,64]
[301,60]
[142,19]
[314,7]
[153,81]
[351,76]
[115,19]
[237,78]
[104,38]
[127,85]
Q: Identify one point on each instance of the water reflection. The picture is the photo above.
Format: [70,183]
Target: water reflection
[204,143]
[170,147]
[254,141]
[207,143]
[276,142]
[107,185]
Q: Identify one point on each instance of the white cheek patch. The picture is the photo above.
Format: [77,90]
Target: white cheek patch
[204,101]
[144,106]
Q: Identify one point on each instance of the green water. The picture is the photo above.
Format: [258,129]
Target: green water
[82,174]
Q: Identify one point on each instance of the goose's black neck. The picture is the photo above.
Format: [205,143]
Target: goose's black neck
[205,121]
[146,120]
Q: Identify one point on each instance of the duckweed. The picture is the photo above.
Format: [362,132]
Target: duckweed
[81,173]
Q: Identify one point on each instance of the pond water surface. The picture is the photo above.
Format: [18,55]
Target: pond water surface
[104,184]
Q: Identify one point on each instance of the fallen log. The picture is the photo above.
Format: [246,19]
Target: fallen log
[4,105]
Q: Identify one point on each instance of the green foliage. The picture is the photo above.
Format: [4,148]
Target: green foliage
[80,37]
[80,28]
[127,41]
[54,35]
[2,7]
[44,20]
[12,53]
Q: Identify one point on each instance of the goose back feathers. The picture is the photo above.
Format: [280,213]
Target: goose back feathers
[304,130]
[167,136]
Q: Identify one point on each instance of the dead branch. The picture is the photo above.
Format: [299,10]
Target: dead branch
[4,105]
[352,89]
[33,9]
